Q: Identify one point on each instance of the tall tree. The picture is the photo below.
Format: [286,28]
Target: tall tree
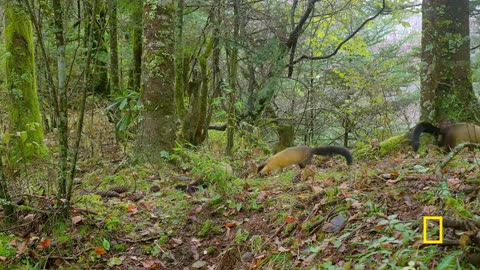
[179,79]
[23,107]
[446,78]
[160,119]
[62,104]
[100,52]
[137,34]
[232,77]
[113,23]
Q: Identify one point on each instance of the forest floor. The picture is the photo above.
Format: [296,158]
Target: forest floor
[330,216]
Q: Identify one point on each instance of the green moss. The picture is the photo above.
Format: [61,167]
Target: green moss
[5,249]
[120,247]
[23,108]
[458,207]
[386,147]
[206,227]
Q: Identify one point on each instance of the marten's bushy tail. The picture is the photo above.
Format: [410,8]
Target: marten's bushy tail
[423,127]
[332,150]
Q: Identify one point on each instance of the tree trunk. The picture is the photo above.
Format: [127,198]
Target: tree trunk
[100,69]
[179,79]
[62,92]
[113,23]
[5,200]
[286,136]
[446,80]
[160,122]
[232,78]
[23,107]
[87,85]
[193,128]
[137,35]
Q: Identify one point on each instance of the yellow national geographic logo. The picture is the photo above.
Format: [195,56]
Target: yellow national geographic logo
[440,225]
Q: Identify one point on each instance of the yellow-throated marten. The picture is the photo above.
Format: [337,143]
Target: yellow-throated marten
[301,155]
[450,135]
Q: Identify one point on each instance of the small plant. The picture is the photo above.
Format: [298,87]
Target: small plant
[112,224]
[241,236]
[125,112]
[206,227]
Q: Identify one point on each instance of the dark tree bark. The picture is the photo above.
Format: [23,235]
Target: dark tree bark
[113,23]
[137,35]
[179,79]
[5,200]
[446,80]
[193,128]
[160,120]
[232,77]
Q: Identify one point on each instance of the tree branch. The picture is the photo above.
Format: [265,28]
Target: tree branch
[339,46]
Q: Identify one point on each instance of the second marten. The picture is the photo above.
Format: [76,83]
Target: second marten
[450,135]
[301,155]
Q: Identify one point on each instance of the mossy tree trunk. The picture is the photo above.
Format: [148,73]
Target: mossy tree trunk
[193,127]
[113,23]
[99,50]
[5,200]
[23,107]
[232,77]
[446,78]
[179,76]
[62,92]
[137,35]
[286,136]
[160,122]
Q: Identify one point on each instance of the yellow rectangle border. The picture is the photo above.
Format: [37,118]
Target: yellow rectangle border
[440,225]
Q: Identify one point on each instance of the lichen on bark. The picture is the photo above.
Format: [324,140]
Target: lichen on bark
[23,107]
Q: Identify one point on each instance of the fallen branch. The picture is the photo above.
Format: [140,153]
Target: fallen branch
[218,127]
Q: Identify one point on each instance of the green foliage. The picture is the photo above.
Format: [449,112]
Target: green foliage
[204,165]
[458,207]
[5,249]
[23,107]
[113,223]
[241,236]
[126,110]
[206,227]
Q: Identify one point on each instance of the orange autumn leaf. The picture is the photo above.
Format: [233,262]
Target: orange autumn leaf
[45,243]
[230,224]
[132,208]
[290,219]
[100,251]
[394,174]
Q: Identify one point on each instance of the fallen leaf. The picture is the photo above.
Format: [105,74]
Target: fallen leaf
[21,248]
[76,219]
[261,196]
[175,242]
[148,206]
[3,259]
[290,219]
[148,263]
[132,208]
[230,224]
[116,261]
[29,217]
[45,244]
[100,251]
[199,264]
